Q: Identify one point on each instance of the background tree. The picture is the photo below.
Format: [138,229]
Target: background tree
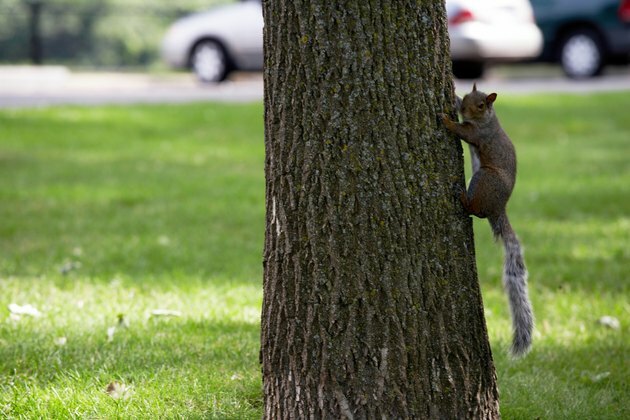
[371,300]
[91,32]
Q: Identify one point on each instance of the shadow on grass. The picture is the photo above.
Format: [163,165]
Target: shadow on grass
[588,380]
[145,191]
[136,352]
[171,369]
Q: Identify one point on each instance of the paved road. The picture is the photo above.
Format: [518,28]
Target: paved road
[47,86]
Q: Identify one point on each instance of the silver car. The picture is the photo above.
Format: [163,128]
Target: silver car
[484,31]
[218,41]
[229,37]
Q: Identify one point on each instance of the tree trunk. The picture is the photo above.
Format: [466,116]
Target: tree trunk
[371,307]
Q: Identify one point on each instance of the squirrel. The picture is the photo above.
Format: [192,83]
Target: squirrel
[494,174]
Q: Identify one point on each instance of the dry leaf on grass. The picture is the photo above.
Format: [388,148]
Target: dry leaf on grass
[110,334]
[600,376]
[69,266]
[593,378]
[118,390]
[121,324]
[165,312]
[122,321]
[609,321]
[27,309]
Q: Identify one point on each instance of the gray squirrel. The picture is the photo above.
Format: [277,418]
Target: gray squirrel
[494,174]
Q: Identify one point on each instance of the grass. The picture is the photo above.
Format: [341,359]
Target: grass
[109,213]
[571,208]
[121,211]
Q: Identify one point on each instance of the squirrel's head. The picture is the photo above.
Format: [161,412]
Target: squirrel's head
[477,105]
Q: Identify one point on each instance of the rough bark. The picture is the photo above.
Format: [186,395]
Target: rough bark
[371,307]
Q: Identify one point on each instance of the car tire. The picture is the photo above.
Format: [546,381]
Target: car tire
[468,69]
[209,62]
[581,54]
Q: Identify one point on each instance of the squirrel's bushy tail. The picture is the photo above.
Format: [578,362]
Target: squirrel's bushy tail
[515,283]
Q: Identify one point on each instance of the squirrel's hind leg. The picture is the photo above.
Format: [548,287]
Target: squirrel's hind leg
[472,200]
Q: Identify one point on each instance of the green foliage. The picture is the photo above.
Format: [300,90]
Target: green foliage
[109,213]
[93,32]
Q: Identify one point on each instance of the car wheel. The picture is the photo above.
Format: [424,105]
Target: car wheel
[209,62]
[582,54]
[468,69]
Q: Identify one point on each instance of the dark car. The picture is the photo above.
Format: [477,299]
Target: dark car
[584,35]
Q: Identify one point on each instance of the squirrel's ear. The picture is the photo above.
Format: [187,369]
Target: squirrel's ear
[491,98]
[474,87]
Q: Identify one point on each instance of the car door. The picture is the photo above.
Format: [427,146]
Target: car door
[249,45]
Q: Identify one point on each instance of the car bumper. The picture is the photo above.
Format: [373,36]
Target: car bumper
[619,40]
[476,41]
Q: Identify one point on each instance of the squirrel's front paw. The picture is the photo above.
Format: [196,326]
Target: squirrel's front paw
[445,119]
[459,190]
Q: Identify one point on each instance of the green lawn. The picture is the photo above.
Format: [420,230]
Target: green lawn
[110,213]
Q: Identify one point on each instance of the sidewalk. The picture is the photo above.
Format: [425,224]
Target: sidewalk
[28,86]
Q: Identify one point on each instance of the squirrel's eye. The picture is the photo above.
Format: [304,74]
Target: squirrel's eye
[481,105]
